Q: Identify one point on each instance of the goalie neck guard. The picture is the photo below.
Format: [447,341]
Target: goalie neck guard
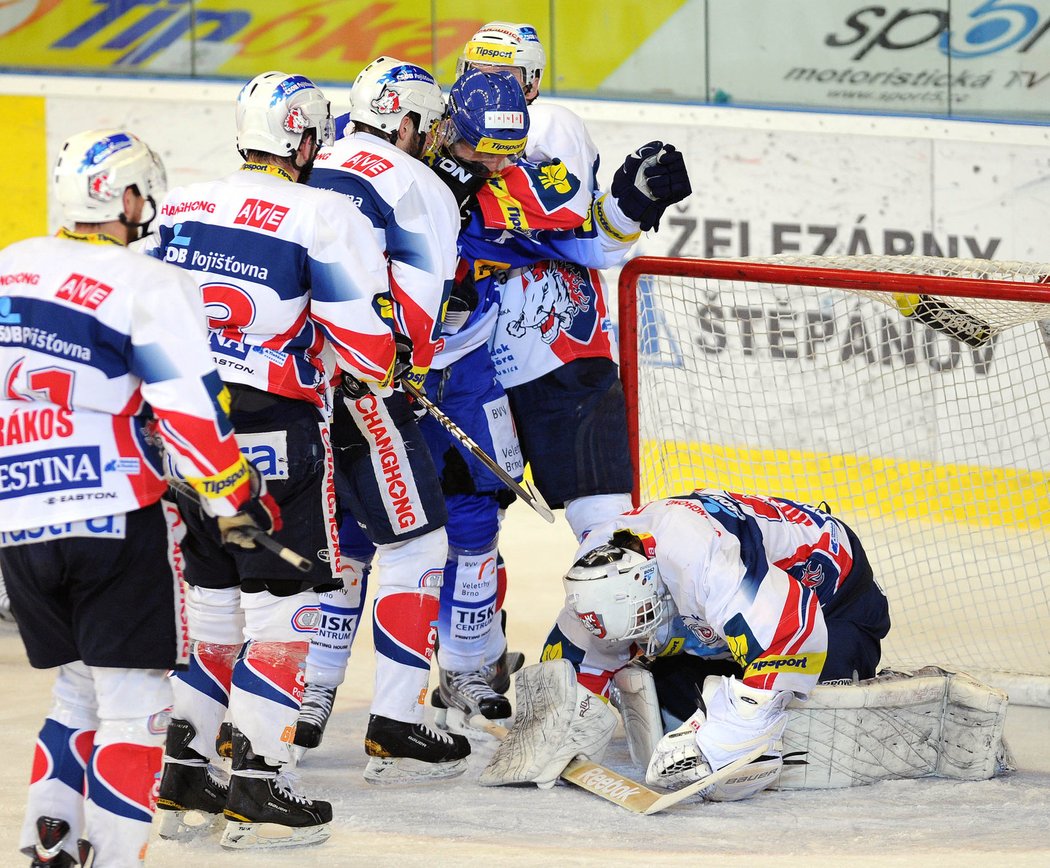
[615,589]
[95,167]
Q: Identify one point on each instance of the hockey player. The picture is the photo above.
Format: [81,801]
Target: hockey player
[99,345]
[291,279]
[782,589]
[392,488]
[553,336]
[518,215]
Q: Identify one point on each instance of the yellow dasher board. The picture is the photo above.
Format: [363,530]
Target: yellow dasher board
[329,40]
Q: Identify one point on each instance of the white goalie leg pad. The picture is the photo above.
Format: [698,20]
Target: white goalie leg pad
[633,694]
[557,720]
[932,722]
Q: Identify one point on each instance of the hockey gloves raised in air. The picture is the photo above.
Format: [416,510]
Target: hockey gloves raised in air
[649,180]
[259,513]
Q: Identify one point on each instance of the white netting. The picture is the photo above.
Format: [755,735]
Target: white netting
[937,452]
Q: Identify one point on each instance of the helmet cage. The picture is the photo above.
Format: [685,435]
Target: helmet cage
[95,167]
[275,110]
[616,593]
[387,90]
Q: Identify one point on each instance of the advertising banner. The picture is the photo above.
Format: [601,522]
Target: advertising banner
[969,57]
[329,40]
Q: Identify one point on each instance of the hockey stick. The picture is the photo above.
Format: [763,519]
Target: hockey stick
[257,535]
[525,491]
[636,797]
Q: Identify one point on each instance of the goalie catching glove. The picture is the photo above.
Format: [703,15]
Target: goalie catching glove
[557,720]
[258,514]
[649,180]
[733,721]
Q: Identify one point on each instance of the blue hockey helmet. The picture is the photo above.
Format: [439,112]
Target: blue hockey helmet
[488,111]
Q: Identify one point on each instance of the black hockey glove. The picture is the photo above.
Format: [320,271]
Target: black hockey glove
[649,180]
[462,178]
[461,303]
[402,358]
[259,512]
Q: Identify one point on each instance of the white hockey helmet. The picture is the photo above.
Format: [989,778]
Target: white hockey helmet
[95,167]
[501,43]
[387,89]
[615,589]
[274,110]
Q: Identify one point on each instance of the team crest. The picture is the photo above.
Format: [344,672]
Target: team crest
[593,623]
[387,103]
[554,294]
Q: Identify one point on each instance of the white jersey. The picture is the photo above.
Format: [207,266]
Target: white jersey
[288,274]
[558,133]
[95,341]
[746,574]
[415,220]
[556,309]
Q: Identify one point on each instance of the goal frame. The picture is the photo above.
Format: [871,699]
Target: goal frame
[763,272]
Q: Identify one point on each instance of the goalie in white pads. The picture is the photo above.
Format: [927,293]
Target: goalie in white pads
[781,589]
[769,597]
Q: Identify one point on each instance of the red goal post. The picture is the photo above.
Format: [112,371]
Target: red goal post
[911,393]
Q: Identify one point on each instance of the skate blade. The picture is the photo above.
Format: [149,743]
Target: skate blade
[186,825]
[402,770]
[270,836]
[455,720]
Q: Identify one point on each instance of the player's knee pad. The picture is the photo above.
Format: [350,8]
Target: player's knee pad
[215,615]
[134,706]
[73,700]
[416,563]
[268,618]
[583,513]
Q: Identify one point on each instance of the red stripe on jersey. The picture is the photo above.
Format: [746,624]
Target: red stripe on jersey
[146,484]
[370,355]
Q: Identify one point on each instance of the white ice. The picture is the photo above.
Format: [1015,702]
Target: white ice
[928,822]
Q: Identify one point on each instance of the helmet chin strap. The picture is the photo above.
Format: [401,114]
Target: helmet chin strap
[141,228]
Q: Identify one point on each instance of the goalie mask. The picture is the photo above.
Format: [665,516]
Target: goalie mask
[615,589]
[275,110]
[95,167]
[500,44]
[387,89]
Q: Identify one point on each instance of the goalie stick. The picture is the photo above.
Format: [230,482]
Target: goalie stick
[636,797]
[260,537]
[524,490]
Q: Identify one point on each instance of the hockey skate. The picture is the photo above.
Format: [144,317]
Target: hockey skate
[461,696]
[192,794]
[406,753]
[262,797]
[313,716]
[48,853]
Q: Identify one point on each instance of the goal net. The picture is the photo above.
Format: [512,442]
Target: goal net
[910,393]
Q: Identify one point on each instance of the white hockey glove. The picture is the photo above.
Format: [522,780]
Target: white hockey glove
[557,720]
[738,720]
